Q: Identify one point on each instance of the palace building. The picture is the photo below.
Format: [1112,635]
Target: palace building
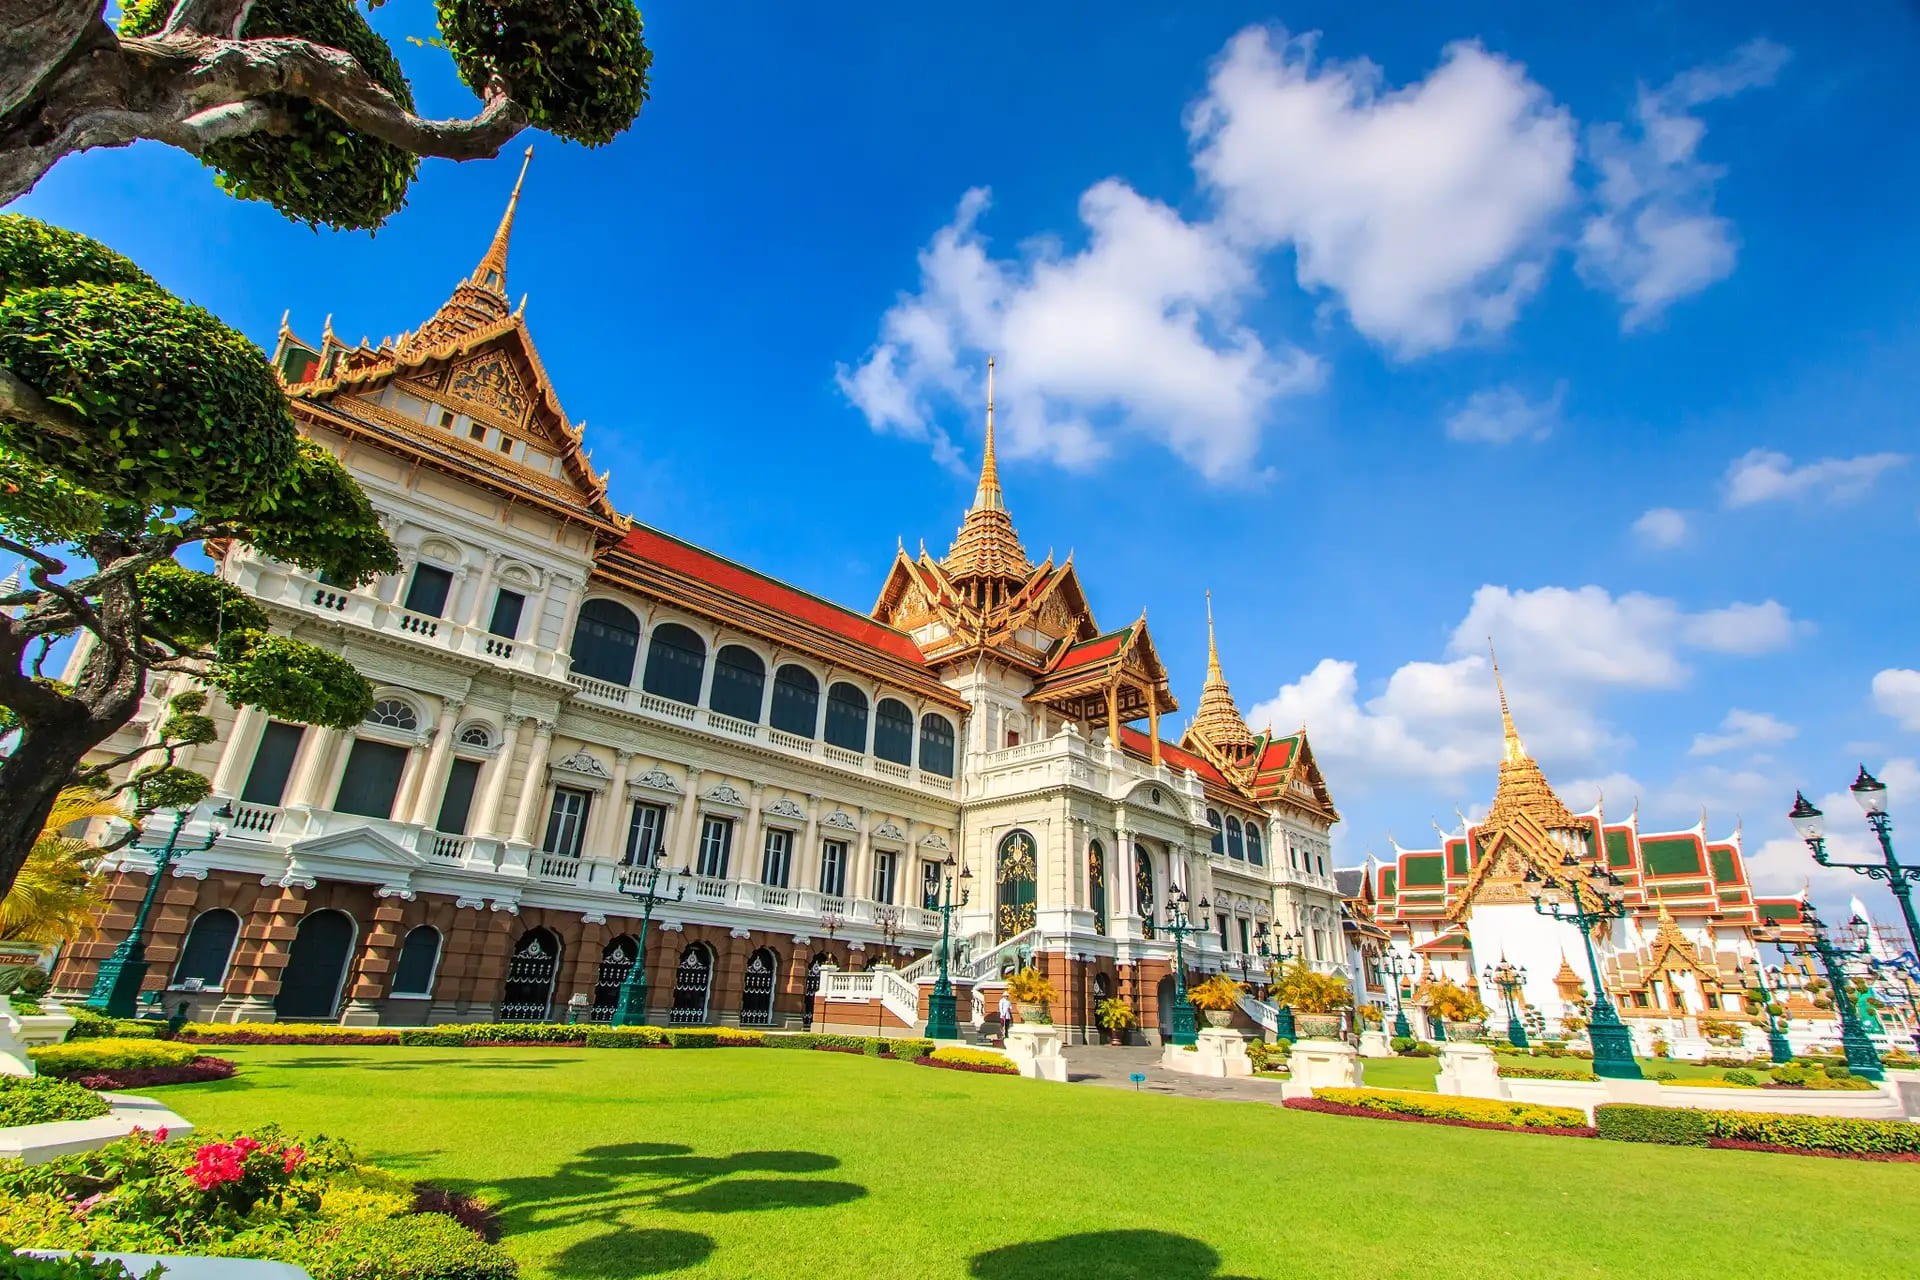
[569,699]
[1673,960]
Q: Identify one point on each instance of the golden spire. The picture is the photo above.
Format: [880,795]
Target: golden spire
[1217,720]
[1522,788]
[1214,675]
[987,497]
[987,547]
[492,271]
[1514,750]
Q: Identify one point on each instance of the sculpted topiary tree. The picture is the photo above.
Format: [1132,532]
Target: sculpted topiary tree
[134,424]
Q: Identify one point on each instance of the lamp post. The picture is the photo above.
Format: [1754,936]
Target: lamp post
[1510,979]
[1755,977]
[1401,1028]
[116,986]
[941,1021]
[1179,924]
[1871,794]
[631,1011]
[1862,1059]
[1276,949]
[1612,1041]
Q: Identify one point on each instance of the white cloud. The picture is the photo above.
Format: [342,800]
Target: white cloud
[1763,475]
[1744,628]
[1655,237]
[1503,414]
[1896,693]
[1661,528]
[1426,209]
[1741,730]
[1137,331]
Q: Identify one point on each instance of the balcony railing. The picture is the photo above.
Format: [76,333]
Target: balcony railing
[301,591]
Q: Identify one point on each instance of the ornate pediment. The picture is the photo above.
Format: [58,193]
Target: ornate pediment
[889,831]
[657,779]
[490,383]
[580,762]
[786,808]
[727,793]
[842,819]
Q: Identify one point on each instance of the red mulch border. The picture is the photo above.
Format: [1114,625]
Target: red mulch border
[252,1037]
[980,1068]
[521,1044]
[201,1068]
[474,1214]
[1878,1157]
[1342,1109]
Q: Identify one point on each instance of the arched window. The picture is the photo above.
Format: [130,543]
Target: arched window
[893,731]
[531,966]
[739,680]
[1255,854]
[936,744]
[1236,846]
[847,717]
[1015,880]
[476,735]
[395,713]
[203,960]
[419,957]
[1213,820]
[316,966]
[605,642]
[676,661]
[796,701]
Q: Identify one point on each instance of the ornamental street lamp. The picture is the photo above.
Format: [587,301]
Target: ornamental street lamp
[631,1011]
[1871,793]
[888,918]
[1862,933]
[1393,966]
[1862,1059]
[1756,979]
[1510,979]
[1179,924]
[1612,1041]
[1276,948]
[116,987]
[941,1022]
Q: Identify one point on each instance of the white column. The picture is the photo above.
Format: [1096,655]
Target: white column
[806,863]
[432,787]
[860,874]
[477,607]
[603,823]
[1120,871]
[557,586]
[242,741]
[311,768]
[493,797]
[392,588]
[688,836]
[751,868]
[533,788]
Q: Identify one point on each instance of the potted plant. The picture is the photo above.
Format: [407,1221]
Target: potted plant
[1029,989]
[1450,1002]
[1217,997]
[1116,1015]
[1316,999]
[1371,1015]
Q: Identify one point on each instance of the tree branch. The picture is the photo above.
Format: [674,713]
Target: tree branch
[208,17]
[21,400]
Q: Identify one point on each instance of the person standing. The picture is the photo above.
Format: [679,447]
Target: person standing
[1006,1014]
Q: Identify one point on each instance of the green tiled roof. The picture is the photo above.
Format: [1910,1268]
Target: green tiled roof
[1723,869]
[1619,849]
[1426,871]
[1672,856]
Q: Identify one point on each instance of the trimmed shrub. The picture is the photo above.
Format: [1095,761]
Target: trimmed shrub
[911,1048]
[693,1039]
[434,1037]
[1631,1122]
[1791,1074]
[87,1056]
[1521,1115]
[626,1038]
[284,1033]
[1401,1044]
[87,1024]
[1705,1084]
[1515,1071]
[1666,1077]
[44,1099]
[1740,1076]
[417,1246]
[18,1266]
[739,1038]
[983,1060]
[1422,1049]
[194,1072]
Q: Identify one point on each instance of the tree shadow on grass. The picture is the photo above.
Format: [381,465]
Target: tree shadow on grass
[1111,1255]
[418,1064]
[610,1185]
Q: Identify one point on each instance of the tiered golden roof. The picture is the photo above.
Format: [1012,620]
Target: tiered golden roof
[479,301]
[987,550]
[1523,789]
[1217,721]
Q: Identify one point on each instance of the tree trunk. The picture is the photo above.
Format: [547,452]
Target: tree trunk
[30,781]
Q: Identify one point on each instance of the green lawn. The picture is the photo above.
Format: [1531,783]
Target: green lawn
[756,1163]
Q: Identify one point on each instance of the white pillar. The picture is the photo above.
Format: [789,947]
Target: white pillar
[311,768]
[753,853]
[688,836]
[433,775]
[806,863]
[533,788]
[493,797]
[242,742]
[860,874]
[477,607]
[603,823]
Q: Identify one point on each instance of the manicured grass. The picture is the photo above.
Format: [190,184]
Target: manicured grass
[756,1163]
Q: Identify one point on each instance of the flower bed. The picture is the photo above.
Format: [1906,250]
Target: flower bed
[1329,1107]
[256,1196]
[1514,1071]
[88,1025]
[553,1035]
[284,1033]
[1754,1130]
[83,1057]
[45,1099]
[981,1060]
[1524,1115]
[199,1069]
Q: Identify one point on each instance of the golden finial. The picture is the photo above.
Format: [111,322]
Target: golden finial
[988,496]
[1515,751]
[1213,650]
[326,329]
[492,271]
[285,316]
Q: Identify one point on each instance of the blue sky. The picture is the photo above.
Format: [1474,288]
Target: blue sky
[1390,324]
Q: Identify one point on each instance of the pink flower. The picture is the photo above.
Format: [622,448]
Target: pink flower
[160,1134]
[294,1156]
[80,1210]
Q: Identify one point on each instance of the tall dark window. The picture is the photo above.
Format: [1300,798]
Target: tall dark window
[1255,854]
[885,871]
[419,957]
[1223,932]
[209,945]
[606,641]
[456,806]
[428,591]
[776,859]
[716,847]
[506,614]
[371,779]
[272,763]
[1236,846]
[796,701]
[893,731]
[739,681]
[833,868]
[936,745]
[847,717]
[930,885]
[676,661]
[1246,935]
[567,821]
[1219,835]
[645,833]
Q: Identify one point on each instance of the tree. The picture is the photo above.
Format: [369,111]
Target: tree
[134,425]
[54,896]
[300,102]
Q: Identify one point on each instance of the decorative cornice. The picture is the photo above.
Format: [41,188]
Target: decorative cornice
[786,808]
[727,794]
[656,779]
[840,819]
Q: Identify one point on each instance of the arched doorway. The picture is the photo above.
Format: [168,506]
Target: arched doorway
[616,962]
[528,996]
[692,986]
[1015,884]
[1163,997]
[1143,898]
[820,961]
[756,990]
[316,966]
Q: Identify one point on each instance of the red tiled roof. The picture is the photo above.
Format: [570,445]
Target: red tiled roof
[1137,743]
[1093,650]
[663,549]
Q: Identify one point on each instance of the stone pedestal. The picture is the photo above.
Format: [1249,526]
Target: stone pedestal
[1034,1048]
[1322,1064]
[1374,1044]
[1468,1071]
[21,1032]
[1216,1052]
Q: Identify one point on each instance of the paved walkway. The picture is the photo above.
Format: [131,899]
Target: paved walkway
[1108,1066]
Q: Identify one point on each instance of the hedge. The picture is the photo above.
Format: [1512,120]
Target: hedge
[1522,1115]
[79,1266]
[1831,1135]
[44,1099]
[556,1034]
[88,1024]
[284,1033]
[80,1057]
[1515,1071]
[956,1057]
[1671,1126]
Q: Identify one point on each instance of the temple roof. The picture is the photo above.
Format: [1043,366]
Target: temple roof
[1217,721]
[1523,790]
[987,547]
